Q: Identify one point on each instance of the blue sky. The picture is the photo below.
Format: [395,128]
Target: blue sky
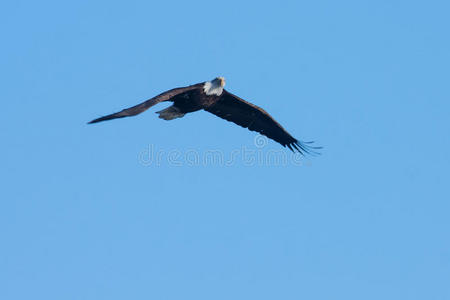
[87,213]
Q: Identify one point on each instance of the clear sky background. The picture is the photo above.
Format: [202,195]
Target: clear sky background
[88,213]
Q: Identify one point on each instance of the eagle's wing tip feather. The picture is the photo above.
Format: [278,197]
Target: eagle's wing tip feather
[304,148]
[94,121]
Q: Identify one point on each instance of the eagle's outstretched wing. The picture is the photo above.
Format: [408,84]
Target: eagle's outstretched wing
[137,109]
[234,109]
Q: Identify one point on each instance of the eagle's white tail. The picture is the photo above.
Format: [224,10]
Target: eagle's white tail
[170,113]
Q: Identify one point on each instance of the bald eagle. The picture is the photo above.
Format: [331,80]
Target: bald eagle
[212,97]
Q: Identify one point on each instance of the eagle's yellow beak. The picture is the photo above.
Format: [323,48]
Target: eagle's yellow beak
[222,81]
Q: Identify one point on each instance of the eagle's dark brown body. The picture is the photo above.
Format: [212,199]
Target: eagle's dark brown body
[194,100]
[212,97]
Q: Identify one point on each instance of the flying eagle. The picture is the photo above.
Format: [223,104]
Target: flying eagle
[212,97]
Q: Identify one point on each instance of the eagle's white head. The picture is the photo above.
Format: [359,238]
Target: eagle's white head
[214,87]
